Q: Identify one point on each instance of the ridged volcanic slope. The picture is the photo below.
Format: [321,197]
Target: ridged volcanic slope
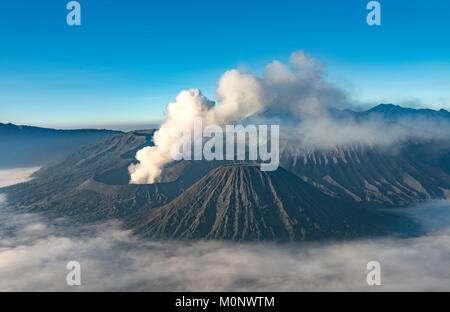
[241,202]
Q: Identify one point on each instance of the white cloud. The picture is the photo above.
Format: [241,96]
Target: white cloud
[14,176]
[33,256]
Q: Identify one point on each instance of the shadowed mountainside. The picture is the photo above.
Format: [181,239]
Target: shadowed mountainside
[399,175]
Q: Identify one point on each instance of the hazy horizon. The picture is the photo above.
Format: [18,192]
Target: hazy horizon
[126,126]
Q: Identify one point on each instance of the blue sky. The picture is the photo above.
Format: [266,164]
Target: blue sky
[129,58]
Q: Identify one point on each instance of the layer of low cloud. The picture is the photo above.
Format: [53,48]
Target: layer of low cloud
[34,254]
[14,176]
[33,257]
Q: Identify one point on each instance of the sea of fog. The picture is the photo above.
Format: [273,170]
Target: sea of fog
[34,254]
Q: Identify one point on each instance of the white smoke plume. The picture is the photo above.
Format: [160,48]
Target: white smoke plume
[299,89]
[294,96]
[239,96]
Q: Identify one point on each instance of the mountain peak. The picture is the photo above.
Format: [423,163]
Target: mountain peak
[387,107]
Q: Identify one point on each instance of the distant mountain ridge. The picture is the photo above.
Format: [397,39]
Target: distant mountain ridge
[27,146]
[9,129]
[392,112]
